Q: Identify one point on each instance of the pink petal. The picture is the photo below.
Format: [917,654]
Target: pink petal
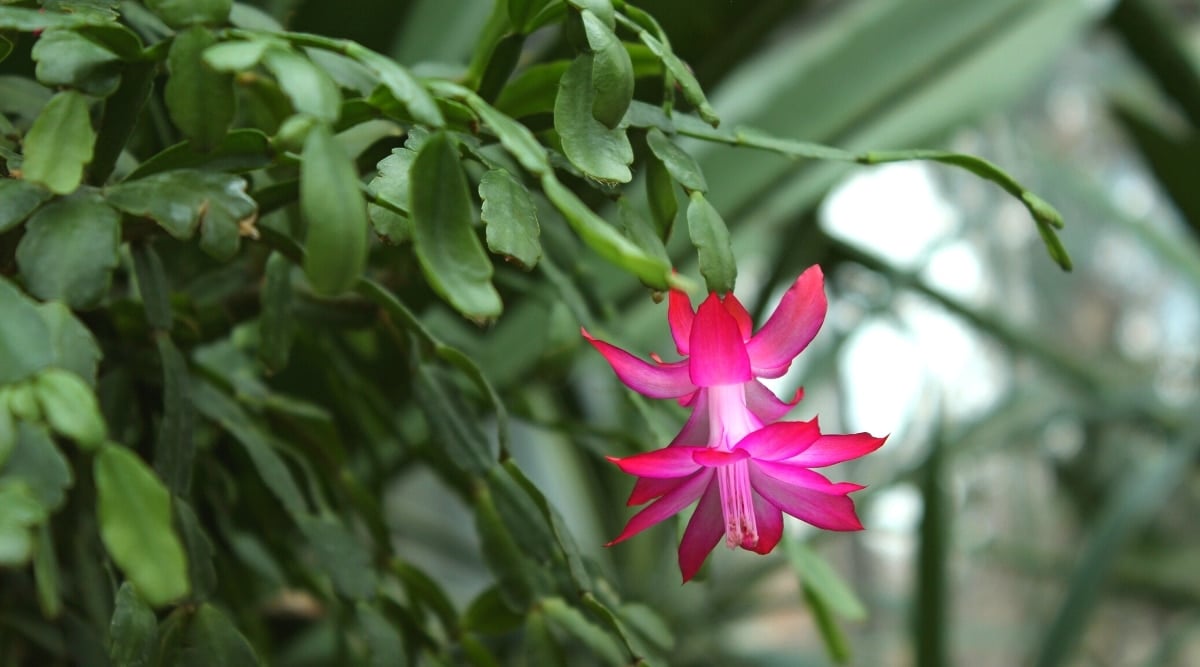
[716,458]
[646,489]
[769,520]
[765,405]
[798,476]
[703,531]
[718,353]
[680,317]
[831,449]
[740,315]
[662,381]
[792,326]
[831,512]
[695,430]
[660,463]
[780,440]
[674,501]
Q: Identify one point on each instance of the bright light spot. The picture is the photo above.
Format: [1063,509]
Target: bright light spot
[883,373]
[955,269]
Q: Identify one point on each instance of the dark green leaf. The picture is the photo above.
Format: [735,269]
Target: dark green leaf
[602,153]
[8,431]
[513,572]
[134,509]
[524,519]
[504,58]
[69,251]
[488,614]
[511,218]
[199,99]
[521,12]
[558,527]
[341,555]
[133,631]
[240,151]
[384,642]
[612,71]
[276,324]
[660,192]
[213,640]
[573,622]
[682,167]
[59,145]
[67,59]
[533,90]
[515,137]
[70,407]
[458,437]
[711,238]
[181,13]
[46,575]
[448,250]
[17,200]
[152,285]
[199,550]
[6,47]
[308,87]
[333,206]
[683,74]
[72,345]
[641,231]
[24,336]
[540,649]
[402,84]
[424,591]
[175,448]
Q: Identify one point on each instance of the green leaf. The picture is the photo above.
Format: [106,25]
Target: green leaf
[682,167]
[240,151]
[17,200]
[20,510]
[59,145]
[602,153]
[70,407]
[182,13]
[532,90]
[236,56]
[309,88]
[447,247]
[66,58]
[711,238]
[341,555]
[488,614]
[511,218]
[32,20]
[186,199]
[683,75]
[602,9]
[515,137]
[134,510]
[199,99]
[152,285]
[46,574]
[612,71]
[831,633]
[175,448]
[133,632]
[276,324]
[391,186]
[384,642]
[826,583]
[460,439]
[6,47]
[932,631]
[521,12]
[401,83]
[513,572]
[24,336]
[660,193]
[8,431]
[333,206]
[604,238]
[641,230]
[69,251]
[72,345]
[120,115]
[212,639]
[199,550]
[573,622]
[540,648]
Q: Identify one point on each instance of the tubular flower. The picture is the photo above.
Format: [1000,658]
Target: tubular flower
[744,467]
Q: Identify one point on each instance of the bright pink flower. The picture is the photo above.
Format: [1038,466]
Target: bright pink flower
[744,467]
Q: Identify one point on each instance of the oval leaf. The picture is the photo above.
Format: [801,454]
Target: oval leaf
[17,200]
[67,58]
[683,167]
[134,510]
[602,153]
[447,248]
[70,407]
[309,88]
[612,71]
[59,145]
[511,218]
[711,238]
[25,345]
[660,193]
[69,251]
[180,13]
[199,98]
[333,207]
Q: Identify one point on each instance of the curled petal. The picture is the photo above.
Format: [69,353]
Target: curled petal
[660,463]
[798,476]
[695,430]
[780,440]
[766,405]
[703,531]
[646,489]
[769,520]
[831,512]
[680,317]
[792,326]
[678,498]
[831,449]
[740,315]
[716,458]
[661,381]
[718,353]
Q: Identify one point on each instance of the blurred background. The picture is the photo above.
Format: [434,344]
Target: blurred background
[1036,501]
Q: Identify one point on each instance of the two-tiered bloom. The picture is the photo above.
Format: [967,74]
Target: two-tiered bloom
[745,467]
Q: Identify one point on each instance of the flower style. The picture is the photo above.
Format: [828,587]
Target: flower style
[745,467]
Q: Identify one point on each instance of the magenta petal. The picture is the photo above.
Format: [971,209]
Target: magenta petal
[831,512]
[740,315]
[769,520]
[780,440]
[660,463]
[703,531]
[661,381]
[831,449]
[718,353]
[798,476]
[695,430]
[792,326]
[674,501]
[680,317]
[765,405]
[716,458]
[646,489]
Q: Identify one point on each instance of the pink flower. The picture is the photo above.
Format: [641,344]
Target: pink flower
[745,468]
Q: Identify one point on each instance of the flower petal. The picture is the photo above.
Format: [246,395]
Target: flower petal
[710,457]
[718,353]
[794,475]
[765,404]
[780,440]
[661,381]
[831,449]
[695,430]
[740,315]
[674,501]
[680,317]
[703,531]
[660,463]
[831,512]
[792,326]
[769,520]
[646,489]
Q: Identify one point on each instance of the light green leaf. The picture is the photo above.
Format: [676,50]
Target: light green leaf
[69,251]
[133,632]
[199,99]
[17,200]
[711,238]
[236,56]
[70,407]
[612,71]
[59,145]
[19,511]
[816,573]
[31,20]
[392,183]
[602,9]
[448,250]
[309,88]
[66,58]
[134,510]
[333,206]
[181,13]
[602,153]
[511,218]
[682,167]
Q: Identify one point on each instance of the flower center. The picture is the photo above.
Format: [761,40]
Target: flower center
[729,420]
